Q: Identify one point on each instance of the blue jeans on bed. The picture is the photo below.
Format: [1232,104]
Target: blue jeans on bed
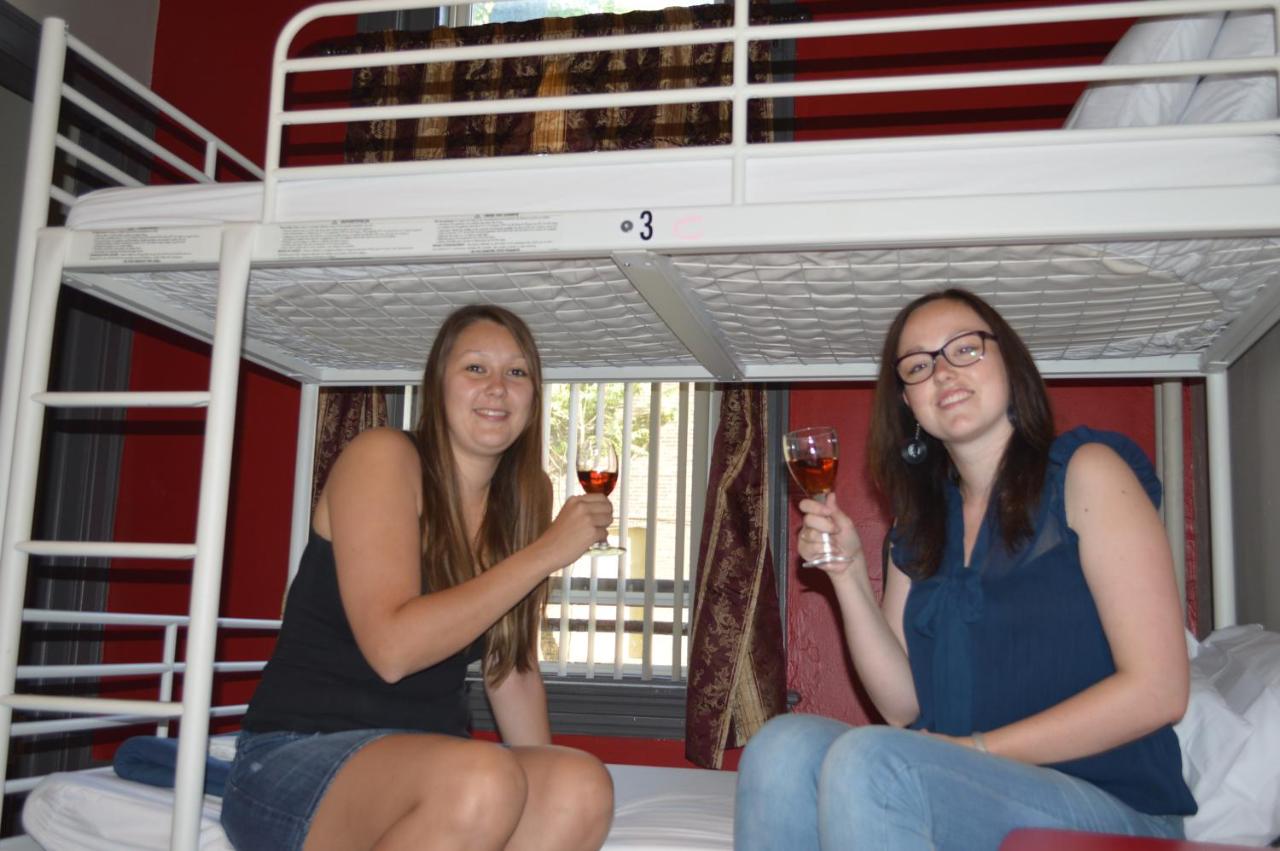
[807,782]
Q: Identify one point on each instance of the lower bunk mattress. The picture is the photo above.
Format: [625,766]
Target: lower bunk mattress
[656,809]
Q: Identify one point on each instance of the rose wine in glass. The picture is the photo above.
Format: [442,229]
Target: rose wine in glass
[598,473]
[812,455]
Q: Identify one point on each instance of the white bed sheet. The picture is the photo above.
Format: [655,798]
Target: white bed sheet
[657,809]
[97,811]
[812,177]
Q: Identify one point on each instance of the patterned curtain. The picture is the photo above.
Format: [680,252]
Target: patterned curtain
[344,412]
[674,125]
[737,667]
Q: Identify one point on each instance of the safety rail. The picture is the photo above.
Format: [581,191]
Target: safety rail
[214,148]
[740,34]
[111,713]
[145,711]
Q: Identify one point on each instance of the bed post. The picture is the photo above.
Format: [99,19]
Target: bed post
[41,145]
[303,469]
[1222,534]
[1170,443]
[215,478]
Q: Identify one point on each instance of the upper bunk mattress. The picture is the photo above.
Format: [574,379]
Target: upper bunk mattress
[542,185]
[1072,242]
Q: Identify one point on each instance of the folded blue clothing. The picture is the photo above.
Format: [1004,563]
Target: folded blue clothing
[153,760]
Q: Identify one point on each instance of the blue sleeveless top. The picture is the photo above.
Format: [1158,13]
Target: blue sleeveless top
[1017,633]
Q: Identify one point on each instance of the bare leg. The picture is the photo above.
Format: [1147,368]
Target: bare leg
[570,801]
[421,792]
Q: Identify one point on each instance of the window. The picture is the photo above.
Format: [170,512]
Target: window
[523,10]
[625,675]
[504,11]
[628,615]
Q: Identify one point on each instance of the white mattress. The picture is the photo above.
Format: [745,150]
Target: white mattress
[806,313]
[657,809]
[547,187]
[800,314]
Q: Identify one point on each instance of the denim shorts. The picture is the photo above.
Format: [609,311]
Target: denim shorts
[277,781]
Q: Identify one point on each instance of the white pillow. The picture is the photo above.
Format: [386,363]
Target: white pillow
[1210,733]
[1230,737]
[1238,97]
[1184,38]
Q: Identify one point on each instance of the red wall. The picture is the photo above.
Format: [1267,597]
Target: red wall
[214,62]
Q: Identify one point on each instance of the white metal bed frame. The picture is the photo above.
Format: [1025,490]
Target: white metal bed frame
[44,253]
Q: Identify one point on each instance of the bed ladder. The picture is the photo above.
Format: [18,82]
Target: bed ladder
[206,552]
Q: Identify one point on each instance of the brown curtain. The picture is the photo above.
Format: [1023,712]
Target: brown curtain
[737,667]
[676,67]
[343,413]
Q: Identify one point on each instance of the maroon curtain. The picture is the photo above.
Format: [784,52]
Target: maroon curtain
[674,125]
[737,667]
[343,413]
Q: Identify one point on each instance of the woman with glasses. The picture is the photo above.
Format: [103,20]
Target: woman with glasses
[1028,652]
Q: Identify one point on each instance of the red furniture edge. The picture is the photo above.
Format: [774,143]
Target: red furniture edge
[1031,839]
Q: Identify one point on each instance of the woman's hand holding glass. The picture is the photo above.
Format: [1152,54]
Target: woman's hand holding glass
[583,521]
[823,519]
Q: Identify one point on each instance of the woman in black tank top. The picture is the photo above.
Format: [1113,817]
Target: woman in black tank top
[427,551]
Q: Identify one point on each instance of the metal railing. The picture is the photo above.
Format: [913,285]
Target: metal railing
[741,89]
[103,713]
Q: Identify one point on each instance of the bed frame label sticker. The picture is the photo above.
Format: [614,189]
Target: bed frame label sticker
[350,238]
[153,246]
[496,233]
[500,233]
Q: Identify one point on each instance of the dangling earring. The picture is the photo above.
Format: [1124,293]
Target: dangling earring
[916,449]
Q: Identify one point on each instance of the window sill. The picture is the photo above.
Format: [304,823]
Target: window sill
[604,707]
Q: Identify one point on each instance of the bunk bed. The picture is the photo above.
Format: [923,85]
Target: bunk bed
[1117,251]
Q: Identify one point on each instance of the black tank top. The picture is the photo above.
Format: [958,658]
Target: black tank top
[319,682]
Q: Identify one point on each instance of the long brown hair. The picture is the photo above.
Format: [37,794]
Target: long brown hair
[917,493]
[519,501]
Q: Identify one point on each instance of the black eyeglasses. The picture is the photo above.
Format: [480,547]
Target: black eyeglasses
[960,351]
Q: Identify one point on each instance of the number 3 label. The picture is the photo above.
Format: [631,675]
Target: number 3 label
[646,219]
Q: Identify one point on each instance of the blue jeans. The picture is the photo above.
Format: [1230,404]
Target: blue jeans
[807,782]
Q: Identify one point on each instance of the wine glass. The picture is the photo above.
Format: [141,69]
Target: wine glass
[598,472]
[811,455]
